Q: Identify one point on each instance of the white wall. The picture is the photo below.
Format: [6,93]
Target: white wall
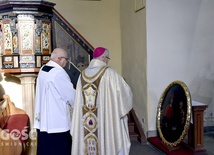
[134,56]
[11,86]
[180,46]
[97,21]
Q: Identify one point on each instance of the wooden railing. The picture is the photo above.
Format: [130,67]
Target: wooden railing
[135,130]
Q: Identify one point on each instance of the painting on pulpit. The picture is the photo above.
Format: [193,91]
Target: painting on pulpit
[77,55]
[79,50]
[174,112]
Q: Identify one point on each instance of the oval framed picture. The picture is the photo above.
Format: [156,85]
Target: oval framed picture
[174,113]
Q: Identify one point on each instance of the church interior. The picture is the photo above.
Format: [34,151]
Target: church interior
[163,49]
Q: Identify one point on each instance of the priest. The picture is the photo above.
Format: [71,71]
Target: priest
[103,100]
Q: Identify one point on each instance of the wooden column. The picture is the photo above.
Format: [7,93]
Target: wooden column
[28,93]
[196,131]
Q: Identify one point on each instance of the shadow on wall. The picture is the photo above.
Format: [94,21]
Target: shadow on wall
[13,79]
[8,78]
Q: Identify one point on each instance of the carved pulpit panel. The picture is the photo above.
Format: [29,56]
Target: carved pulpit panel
[25,35]
[25,42]
[7,37]
[46,37]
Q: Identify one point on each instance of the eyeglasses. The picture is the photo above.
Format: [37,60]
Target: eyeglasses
[64,58]
[106,57]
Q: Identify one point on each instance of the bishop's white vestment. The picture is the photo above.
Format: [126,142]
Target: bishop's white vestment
[99,120]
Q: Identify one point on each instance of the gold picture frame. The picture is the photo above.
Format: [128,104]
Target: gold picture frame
[173,113]
[139,5]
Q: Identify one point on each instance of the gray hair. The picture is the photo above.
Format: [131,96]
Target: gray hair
[58,52]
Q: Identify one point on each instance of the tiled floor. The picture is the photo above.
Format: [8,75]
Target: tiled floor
[143,149]
[147,149]
[209,142]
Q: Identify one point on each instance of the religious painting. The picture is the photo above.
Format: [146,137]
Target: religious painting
[77,55]
[79,50]
[173,115]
